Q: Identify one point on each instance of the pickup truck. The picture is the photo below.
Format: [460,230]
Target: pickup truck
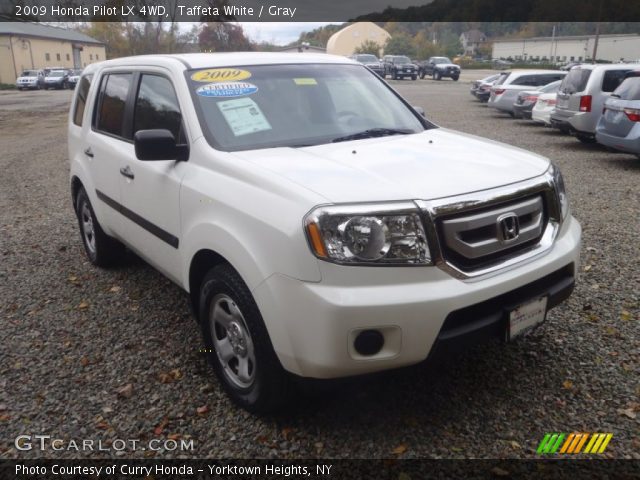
[439,68]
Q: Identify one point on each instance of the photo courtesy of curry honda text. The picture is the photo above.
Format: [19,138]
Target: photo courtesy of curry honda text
[321,225]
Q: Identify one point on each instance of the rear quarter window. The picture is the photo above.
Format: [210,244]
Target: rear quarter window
[81,99]
[612,79]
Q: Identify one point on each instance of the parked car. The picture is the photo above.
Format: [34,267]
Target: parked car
[619,124]
[439,68]
[505,90]
[484,89]
[74,76]
[502,64]
[399,67]
[525,101]
[369,61]
[582,95]
[58,79]
[322,227]
[476,84]
[543,108]
[32,79]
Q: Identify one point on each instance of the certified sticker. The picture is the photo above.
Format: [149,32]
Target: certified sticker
[227,89]
[220,75]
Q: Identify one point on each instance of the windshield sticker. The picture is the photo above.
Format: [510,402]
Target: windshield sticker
[227,89]
[305,81]
[243,116]
[220,75]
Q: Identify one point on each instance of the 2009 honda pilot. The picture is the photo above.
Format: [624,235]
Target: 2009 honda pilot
[322,226]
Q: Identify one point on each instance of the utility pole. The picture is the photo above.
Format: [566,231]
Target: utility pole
[553,39]
[595,43]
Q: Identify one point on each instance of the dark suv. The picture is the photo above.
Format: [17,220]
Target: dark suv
[399,66]
[438,68]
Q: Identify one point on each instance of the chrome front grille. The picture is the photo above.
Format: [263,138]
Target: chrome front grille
[482,233]
[477,235]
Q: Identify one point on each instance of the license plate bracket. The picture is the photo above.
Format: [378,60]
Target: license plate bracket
[525,317]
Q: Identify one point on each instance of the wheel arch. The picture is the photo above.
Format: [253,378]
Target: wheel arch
[203,261]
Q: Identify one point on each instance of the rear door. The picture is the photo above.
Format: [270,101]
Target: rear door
[107,143]
[615,121]
[571,89]
[151,189]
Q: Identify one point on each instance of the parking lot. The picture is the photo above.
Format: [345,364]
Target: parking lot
[114,354]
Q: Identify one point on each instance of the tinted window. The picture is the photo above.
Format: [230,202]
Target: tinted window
[366,58]
[612,79]
[629,89]
[401,60]
[81,99]
[529,80]
[157,106]
[114,99]
[551,87]
[575,81]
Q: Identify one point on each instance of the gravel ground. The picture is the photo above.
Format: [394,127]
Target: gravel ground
[113,354]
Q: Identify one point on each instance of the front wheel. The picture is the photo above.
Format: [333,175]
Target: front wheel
[455,78]
[394,75]
[237,343]
[414,77]
[422,75]
[437,75]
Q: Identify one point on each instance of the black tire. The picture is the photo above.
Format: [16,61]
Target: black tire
[414,77]
[455,78]
[437,75]
[422,75]
[394,75]
[587,139]
[270,386]
[101,249]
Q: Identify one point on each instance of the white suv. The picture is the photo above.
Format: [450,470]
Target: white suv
[321,225]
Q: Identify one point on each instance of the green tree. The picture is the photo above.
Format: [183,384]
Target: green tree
[369,46]
[400,44]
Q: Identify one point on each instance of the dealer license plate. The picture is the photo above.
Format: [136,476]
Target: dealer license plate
[526,316]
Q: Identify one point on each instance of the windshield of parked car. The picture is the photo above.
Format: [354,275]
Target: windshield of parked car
[629,89]
[56,74]
[401,60]
[551,87]
[438,60]
[29,73]
[575,81]
[295,105]
[367,58]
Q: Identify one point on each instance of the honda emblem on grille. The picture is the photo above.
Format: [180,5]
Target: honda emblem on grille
[508,227]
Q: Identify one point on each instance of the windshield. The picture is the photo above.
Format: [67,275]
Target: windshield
[295,105]
[366,59]
[551,87]
[56,74]
[575,81]
[401,60]
[29,73]
[438,60]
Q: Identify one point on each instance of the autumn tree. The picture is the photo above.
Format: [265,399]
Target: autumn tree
[224,37]
[400,44]
[369,46]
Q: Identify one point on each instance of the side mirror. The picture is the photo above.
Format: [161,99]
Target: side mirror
[158,144]
[420,110]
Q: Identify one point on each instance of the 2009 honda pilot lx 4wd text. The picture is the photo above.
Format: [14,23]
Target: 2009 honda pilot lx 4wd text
[322,227]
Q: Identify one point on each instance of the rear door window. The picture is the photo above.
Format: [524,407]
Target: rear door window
[113,101]
[527,80]
[629,89]
[612,79]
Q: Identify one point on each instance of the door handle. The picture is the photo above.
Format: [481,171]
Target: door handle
[88,152]
[127,172]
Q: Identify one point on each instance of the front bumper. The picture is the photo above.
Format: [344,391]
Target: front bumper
[313,325]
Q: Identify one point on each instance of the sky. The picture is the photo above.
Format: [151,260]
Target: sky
[279,33]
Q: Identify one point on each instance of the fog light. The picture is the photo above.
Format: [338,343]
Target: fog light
[368,342]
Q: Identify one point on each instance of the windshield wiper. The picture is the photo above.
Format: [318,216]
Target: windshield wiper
[373,133]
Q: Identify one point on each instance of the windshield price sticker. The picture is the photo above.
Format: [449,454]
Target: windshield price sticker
[220,75]
[227,89]
[243,116]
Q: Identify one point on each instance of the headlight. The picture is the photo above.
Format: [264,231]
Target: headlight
[375,234]
[561,193]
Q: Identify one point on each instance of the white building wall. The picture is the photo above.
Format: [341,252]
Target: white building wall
[610,48]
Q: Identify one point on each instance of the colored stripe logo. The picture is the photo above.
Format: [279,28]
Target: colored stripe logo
[572,443]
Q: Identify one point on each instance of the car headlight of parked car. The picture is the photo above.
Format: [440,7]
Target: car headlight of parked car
[561,193]
[374,234]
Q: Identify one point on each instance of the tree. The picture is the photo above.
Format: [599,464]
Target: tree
[224,37]
[400,44]
[369,46]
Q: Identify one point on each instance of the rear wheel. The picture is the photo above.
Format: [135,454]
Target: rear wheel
[238,345]
[101,249]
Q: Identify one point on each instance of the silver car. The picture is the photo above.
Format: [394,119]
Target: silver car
[619,125]
[582,95]
[505,91]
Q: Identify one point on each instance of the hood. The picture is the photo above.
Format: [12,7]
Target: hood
[447,65]
[27,78]
[433,164]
